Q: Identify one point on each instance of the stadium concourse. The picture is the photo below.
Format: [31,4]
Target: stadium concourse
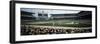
[35,21]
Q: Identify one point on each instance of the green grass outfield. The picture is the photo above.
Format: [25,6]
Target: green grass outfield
[62,23]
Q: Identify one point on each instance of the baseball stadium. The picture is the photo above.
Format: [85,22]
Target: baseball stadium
[38,21]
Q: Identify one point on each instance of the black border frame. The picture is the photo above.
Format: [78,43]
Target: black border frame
[12,21]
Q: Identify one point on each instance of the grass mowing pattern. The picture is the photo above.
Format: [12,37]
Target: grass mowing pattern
[62,23]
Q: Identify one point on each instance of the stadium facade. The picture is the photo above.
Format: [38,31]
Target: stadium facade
[27,14]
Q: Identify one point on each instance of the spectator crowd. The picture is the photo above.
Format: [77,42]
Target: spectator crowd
[31,30]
